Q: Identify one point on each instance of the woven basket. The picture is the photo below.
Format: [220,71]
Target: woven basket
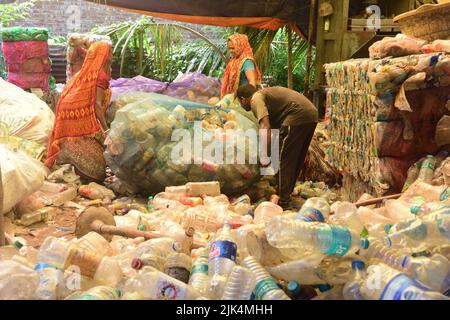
[429,22]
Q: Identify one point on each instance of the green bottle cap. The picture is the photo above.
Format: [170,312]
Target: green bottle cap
[18,245]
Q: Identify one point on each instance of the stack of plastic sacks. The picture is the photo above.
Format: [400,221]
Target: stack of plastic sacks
[383,137]
[77,47]
[153,132]
[211,249]
[26,56]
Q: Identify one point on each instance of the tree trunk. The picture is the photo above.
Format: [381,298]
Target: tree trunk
[308,54]
[289,58]
[141,52]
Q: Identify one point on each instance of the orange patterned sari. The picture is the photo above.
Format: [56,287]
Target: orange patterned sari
[231,77]
[75,113]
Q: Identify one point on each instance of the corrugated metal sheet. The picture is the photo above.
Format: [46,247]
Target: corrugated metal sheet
[57,54]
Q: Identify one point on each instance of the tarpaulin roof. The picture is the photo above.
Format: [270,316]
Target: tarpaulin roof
[268,14]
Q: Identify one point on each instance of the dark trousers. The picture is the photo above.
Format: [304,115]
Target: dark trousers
[294,145]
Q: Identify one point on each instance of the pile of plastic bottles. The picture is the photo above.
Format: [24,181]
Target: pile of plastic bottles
[214,247]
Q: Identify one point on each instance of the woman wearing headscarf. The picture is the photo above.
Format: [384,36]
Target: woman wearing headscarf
[80,124]
[242,68]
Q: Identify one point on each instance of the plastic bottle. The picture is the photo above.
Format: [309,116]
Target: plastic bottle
[412,175]
[42,215]
[165,200]
[97,293]
[248,240]
[314,209]
[266,288]
[351,289]
[201,219]
[220,200]
[242,205]
[432,230]
[200,279]
[17,282]
[152,284]
[240,284]
[222,259]
[191,201]
[427,169]
[296,291]
[96,243]
[266,211]
[51,187]
[313,237]
[62,254]
[148,259]
[178,264]
[429,271]
[197,189]
[50,280]
[385,283]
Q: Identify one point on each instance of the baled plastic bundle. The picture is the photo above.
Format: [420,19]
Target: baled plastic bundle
[194,86]
[145,149]
[398,46]
[136,84]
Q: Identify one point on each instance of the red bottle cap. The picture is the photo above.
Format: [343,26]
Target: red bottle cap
[137,264]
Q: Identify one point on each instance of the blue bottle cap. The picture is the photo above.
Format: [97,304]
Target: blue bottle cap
[252,296]
[293,287]
[358,265]
[364,243]
[324,287]
[415,210]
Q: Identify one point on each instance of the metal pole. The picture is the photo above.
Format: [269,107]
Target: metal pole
[312,11]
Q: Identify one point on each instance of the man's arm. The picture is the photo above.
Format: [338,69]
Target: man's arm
[264,124]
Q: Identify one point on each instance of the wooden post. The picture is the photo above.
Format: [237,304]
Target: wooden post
[2,218]
[289,58]
[141,52]
[312,11]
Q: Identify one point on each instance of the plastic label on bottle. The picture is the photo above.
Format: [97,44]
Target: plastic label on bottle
[310,214]
[427,165]
[341,240]
[199,268]
[168,290]
[401,287]
[413,229]
[223,249]
[264,286]
[88,262]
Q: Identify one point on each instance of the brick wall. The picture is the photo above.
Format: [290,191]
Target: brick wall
[61,16]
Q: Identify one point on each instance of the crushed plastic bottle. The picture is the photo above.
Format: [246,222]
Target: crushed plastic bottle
[314,209]
[240,284]
[351,289]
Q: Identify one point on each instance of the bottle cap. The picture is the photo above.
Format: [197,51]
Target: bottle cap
[415,210]
[324,287]
[18,244]
[358,265]
[365,243]
[118,292]
[387,228]
[137,264]
[294,287]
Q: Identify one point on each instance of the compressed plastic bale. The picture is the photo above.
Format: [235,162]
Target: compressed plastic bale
[398,46]
[136,84]
[194,86]
[14,34]
[21,51]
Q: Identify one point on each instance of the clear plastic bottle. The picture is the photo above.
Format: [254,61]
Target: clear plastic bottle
[198,189]
[248,240]
[385,283]
[165,200]
[427,168]
[200,279]
[96,243]
[62,254]
[351,289]
[431,271]
[266,211]
[50,280]
[97,293]
[242,205]
[42,215]
[240,284]
[201,219]
[313,237]
[314,209]
[345,214]
[152,284]
[178,265]
[222,259]
[220,200]
[266,288]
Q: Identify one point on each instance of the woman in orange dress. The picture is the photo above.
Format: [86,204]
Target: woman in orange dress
[242,68]
[80,125]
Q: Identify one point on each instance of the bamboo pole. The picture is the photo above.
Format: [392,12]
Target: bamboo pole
[312,11]
[377,200]
[289,58]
